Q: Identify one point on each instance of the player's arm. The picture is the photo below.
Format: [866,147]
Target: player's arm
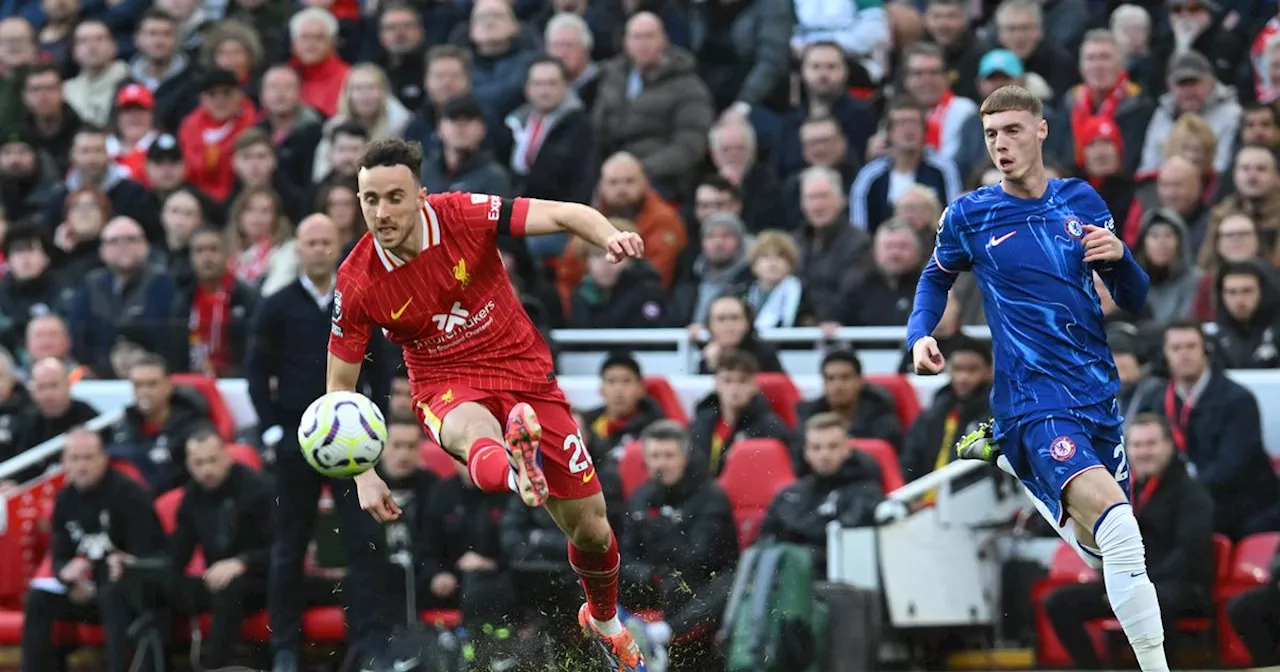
[342,376]
[1108,255]
[348,336]
[949,258]
[548,217]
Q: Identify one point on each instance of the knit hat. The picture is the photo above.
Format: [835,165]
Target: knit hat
[1093,130]
[727,220]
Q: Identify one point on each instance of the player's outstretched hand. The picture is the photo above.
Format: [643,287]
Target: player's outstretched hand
[375,497]
[623,244]
[1101,245]
[927,357]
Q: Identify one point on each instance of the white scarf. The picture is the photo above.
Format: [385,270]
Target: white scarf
[778,308]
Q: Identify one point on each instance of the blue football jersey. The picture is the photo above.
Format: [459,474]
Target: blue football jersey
[1045,315]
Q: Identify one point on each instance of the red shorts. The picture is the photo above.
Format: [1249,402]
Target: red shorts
[566,463]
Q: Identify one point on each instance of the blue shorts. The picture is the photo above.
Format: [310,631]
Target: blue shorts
[1046,451]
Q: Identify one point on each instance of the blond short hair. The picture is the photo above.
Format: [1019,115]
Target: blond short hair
[777,243]
[1012,98]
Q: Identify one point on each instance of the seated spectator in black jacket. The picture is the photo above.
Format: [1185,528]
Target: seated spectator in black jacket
[31,288]
[1215,422]
[957,409]
[211,316]
[411,486]
[1175,513]
[843,484]
[1246,333]
[101,519]
[734,410]
[681,545]
[51,412]
[1255,614]
[731,323]
[868,410]
[223,513]
[626,294]
[153,433]
[13,401]
[627,410]
[462,163]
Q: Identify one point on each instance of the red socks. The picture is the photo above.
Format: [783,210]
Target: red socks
[488,465]
[599,575]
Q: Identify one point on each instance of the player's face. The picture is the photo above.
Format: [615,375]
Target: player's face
[403,454]
[208,462]
[1013,141]
[391,200]
[969,371]
[1241,294]
[825,450]
[1184,351]
[665,461]
[1149,451]
[622,390]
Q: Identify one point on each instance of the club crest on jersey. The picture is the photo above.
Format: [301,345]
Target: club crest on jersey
[1062,448]
[1074,226]
[337,306]
[461,274]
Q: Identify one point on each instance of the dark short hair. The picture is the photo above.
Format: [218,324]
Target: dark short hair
[906,101]
[1186,324]
[546,59]
[90,129]
[156,14]
[26,234]
[448,52]
[842,356]
[252,137]
[403,419]
[44,68]
[717,182]
[666,430]
[350,128]
[152,359]
[393,152]
[204,432]
[962,343]
[1272,110]
[1247,267]
[623,360]
[1149,418]
[737,360]
[208,231]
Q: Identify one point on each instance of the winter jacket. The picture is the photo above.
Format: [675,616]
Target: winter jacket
[113,515]
[1252,344]
[756,421]
[160,454]
[923,444]
[227,522]
[684,532]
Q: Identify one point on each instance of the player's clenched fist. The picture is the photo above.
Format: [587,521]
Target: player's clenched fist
[623,244]
[1101,245]
[927,357]
[375,497]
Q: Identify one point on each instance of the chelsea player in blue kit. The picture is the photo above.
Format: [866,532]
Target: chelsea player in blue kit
[1035,245]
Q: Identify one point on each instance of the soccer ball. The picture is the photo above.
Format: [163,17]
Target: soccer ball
[342,434]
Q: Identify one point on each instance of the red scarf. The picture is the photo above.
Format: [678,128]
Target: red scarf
[251,271]
[1178,422]
[208,328]
[1143,494]
[1085,104]
[937,118]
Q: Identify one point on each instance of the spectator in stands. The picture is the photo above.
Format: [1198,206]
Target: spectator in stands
[754,38]
[52,411]
[78,238]
[54,123]
[1255,615]
[1140,390]
[339,201]
[181,215]
[1020,28]
[652,105]
[1131,26]
[133,130]
[47,336]
[1109,93]
[1193,89]
[462,163]
[163,68]
[30,288]
[822,143]
[1246,333]
[1215,423]
[221,514]
[545,141]
[880,183]
[735,158]
[448,77]
[368,102]
[264,254]
[349,142]
[775,294]
[234,46]
[28,179]
[824,76]
[165,171]
[1101,160]
[411,485]
[1163,253]
[919,206]
[125,299]
[734,410]
[211,316]
[313,36]
[842,484]
[867,409]
[1200,28]
[208,135]
[1175,513]
[294,127]
[833,255]
[569,39]
[1191,138]
[731,325]
[622,295]
[944,113]
[1257,184]
[398,51]
[14,60]
[946,24]
[59,19]
[254,166]
[681,545]
[626,411]
[13,401]
[956,410]
[499,58]
[401,401]
[92,168]
[1236,239]
[101,520]
[153,433]
[626,191]
[90,93]
[1260,125]
[721,265]
[886,294]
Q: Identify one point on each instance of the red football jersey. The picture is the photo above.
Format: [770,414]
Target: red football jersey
[452,308]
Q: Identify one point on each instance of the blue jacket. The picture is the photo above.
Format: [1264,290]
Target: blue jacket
[869,204]
[103,313]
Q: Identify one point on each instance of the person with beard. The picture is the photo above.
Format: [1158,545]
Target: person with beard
[622,295]
[731,326]
[411,485]
[30,288]
[398,51]
[946,24]
[867,410]
[211,315]
[627,410]
[54,121]
[887,294]
[461,163]
[1257,183]
[734,410]
[843,484]
[28,179]
[1246,333]
[957,409]
[720,265]
[681,545]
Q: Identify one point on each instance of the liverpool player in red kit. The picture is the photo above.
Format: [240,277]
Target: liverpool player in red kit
[429,275]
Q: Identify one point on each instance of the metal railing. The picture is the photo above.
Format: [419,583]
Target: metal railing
[43,452]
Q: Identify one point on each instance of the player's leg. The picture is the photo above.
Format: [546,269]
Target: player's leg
[465,423]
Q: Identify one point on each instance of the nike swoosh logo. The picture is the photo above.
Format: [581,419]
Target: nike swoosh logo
[405,665]
[588,477]
[1134,575]
[395,314]
[996,241]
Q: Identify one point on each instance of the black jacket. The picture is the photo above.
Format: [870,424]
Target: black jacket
[757,421]
[462,518]
[919,455]
[636,302]
[602,439]
[230,521]
[11,411]
[411,530]
[766,355]
[1175,513]
[114,515]
[685,532]
[531,540]
[560,171]
[877,415]
[33,428]
[1254,343]
[243,302]
[161,457]
[800,513]
[20,302]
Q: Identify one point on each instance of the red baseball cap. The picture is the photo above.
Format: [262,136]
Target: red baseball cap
[136,95]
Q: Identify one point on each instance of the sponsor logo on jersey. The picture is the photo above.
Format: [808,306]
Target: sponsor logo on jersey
[461,274]
[495,208]
[1062,448]
[456,326]
[456,317]
[1074,226]
[477,199]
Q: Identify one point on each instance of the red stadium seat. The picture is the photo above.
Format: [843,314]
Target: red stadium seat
[1250,568]
[28,515]
[167,506]
[666,397]
[1065,569]
[219,414]
[904,396]
[441,618]
[246,455]
[325,624]
[782,396]
[754,471]
[255,628]
[631,469]
[437,461]
[886,457]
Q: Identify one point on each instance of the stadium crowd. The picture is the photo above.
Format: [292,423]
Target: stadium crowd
[177,185]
